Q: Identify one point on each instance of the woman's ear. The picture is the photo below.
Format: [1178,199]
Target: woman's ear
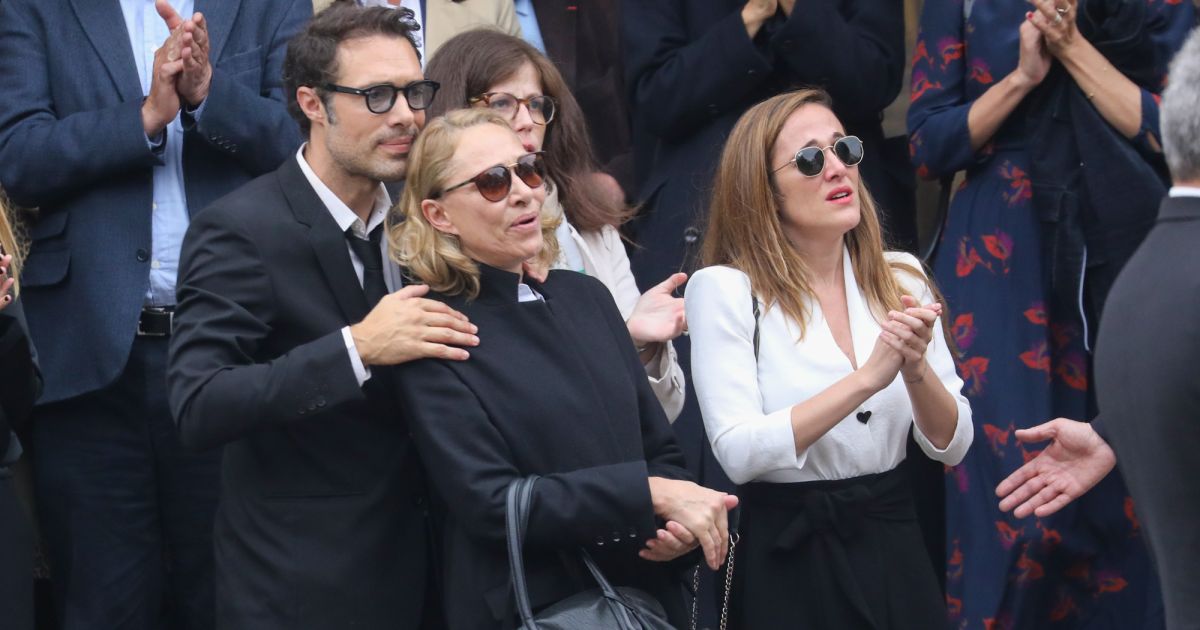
[436,216]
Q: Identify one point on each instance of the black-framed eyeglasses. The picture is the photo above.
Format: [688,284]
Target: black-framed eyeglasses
[381,98]
[810,161]
[541,108]
[495,183]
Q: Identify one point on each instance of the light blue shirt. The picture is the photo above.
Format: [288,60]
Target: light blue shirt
[529,24]
[168,208]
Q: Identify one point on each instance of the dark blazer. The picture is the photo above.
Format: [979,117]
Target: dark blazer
[1149,397]
[583,40]
[321,521]
[555,388]
[692,72]
[71,142]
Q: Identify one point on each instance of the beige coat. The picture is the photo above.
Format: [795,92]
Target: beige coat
[604,259]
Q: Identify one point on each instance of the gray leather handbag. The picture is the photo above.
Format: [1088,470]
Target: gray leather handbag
[603,608]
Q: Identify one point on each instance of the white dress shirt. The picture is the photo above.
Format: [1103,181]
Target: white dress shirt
[347,220]
[747,403]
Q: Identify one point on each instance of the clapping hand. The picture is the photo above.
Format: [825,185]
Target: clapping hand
[658,315]
[909,333]
[192,49]
[1056,21]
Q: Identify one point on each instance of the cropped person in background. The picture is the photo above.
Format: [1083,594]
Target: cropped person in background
[1146,383]
[120,122]
[20,384]
[815,354]
[1051,109]
[507,75]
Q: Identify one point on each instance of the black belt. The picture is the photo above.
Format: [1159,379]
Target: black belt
[156,321]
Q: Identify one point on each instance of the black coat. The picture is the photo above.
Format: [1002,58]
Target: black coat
[555,388]
[321,523]
[692,72]
[1149,397]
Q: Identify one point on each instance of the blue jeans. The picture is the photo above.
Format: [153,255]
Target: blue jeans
[126,513]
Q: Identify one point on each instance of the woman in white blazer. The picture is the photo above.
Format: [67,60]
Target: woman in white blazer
[484,68]
[815,352]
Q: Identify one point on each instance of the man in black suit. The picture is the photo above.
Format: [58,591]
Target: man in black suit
[285,333]
[1146,382]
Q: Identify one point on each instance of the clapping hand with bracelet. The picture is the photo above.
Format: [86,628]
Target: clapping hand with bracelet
[909,333]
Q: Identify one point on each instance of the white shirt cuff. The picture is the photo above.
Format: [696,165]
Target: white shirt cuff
[361,372]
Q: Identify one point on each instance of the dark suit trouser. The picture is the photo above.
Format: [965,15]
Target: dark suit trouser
[126,514]
[16,560]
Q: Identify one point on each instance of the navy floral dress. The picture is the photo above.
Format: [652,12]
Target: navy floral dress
[1085,567]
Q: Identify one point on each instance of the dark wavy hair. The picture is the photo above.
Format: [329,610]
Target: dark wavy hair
[471,62]
[312,54]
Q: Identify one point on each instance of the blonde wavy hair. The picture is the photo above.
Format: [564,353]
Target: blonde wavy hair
[745,230]
[430,255]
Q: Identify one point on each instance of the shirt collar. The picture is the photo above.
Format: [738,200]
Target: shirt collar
[1184,191]
[342,214]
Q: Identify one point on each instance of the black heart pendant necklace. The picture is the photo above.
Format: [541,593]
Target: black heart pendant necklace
[863,416]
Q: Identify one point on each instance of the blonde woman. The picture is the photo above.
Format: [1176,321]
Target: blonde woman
[815,352]
[554,388]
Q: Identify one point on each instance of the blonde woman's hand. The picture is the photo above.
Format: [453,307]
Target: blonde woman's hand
[701,511]
[669,543]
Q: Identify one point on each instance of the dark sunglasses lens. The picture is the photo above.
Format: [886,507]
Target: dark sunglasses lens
[381,98]
[420,94]
[810,161]
[849,150]
[531,169]
[541,109]
[494,183]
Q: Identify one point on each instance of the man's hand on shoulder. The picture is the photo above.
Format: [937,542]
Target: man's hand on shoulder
[405,326]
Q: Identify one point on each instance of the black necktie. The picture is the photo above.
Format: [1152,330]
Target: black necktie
[371,257]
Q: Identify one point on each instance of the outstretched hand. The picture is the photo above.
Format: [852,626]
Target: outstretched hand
[658,315]
[1076,459]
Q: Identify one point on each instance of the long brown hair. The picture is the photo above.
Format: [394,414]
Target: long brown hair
[433,256]
[745,231]
[8,240]
[471,62]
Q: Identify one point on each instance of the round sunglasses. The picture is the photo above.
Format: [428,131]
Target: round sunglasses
[541,108]
[810,161]
[495,183]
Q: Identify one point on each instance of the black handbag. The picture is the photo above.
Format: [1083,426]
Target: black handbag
[603,608]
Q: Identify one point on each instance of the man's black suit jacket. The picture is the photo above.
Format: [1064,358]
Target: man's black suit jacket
[321,522]
[1149,395]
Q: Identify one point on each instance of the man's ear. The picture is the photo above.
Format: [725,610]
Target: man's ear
[436,216]
[310,103]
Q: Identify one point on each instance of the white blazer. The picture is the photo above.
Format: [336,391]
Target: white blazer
[747,403]
[604,259]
